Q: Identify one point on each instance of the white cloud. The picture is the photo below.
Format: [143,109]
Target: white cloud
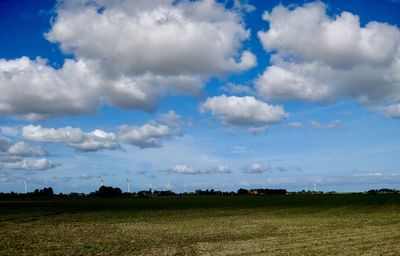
[318,125]
[243,5]
[73,137]
[295,125]
[97,140]
[237,89]
[257,129]
[21,156]
[255,168]
[24,149]
[34,90]
[171,118]
[41,134]
[128,54]
[142,91]
[148,135]
[304,81]
[330,125]
[391,110]
[145,136]
[324,59]
[223,169]
[334,40]
[28,164]
[183,169]
[163,38]
[246,111]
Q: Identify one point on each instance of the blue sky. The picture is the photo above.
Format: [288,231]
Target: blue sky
[199,94]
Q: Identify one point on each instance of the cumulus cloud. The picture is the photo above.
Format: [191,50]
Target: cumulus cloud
[40,134]
[24,149]
[391,110]
[145,136]
[97,140]
[245,111]
[73,137]
[171,118]
[21,156]
[127,54]
[183,169]
[243,5]
[29,164]
[255,168]
[34,90]
[232,88]
[142,91]
[148,135]
[163,37]
[321,58]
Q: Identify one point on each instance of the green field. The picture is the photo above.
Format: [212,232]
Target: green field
[341,224]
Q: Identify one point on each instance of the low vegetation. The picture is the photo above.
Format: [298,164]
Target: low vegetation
[301,224]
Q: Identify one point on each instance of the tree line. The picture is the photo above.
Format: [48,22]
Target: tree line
[105,191]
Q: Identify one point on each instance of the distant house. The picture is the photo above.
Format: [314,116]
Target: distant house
[253,192]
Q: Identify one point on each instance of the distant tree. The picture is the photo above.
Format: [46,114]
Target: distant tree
[387,190]
[242,191]
[48,191]
[268,191]
[165,193]
[108,191]
[44,192]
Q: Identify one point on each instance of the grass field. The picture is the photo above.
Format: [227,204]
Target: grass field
[342,224]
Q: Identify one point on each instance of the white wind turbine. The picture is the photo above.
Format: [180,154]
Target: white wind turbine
[25,186]
[129,185]
[101,181]
[168,186]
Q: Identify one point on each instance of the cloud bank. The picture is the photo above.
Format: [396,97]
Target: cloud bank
[127,54]
[148,135]
[244,111]
[319,58]
[22,156]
